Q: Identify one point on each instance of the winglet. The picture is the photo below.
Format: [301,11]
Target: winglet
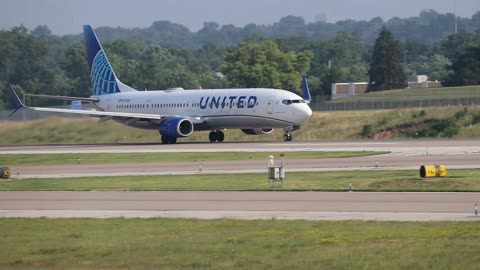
[305,90]
[16,100]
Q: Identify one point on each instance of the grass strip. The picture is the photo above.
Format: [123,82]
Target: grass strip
[111,158]
[333,125]
[235,244]
[405,95]
[374,180]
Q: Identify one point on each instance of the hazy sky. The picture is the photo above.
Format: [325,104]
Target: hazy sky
[67,16]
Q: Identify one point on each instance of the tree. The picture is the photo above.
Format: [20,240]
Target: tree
[23,62]
[290,26]
[332,75]
[454,43]
[41,31]
[76,69]
[386,69]
[466,67]
[264,65]
[435,66]
[159,69]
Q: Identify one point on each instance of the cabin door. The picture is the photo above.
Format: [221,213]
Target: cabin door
[270,105]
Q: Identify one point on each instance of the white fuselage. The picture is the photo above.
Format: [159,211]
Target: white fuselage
[216,108]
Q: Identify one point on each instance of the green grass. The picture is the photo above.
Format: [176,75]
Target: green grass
[457,180]
[415,94]
[233,244]
[339,125]
[112,158]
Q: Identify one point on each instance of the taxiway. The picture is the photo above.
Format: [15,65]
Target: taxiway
[242,205]
[420,206]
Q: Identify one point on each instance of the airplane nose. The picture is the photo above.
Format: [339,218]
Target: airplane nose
[309,112]
[304,113]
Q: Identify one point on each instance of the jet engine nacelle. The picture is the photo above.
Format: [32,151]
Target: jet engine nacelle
[257,131]
[175,127]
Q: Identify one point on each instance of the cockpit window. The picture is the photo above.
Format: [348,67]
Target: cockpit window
[288,101]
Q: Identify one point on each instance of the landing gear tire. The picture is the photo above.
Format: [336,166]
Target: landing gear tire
[216,136]
[220,136]
[212,136]
[287,137]
[168,140]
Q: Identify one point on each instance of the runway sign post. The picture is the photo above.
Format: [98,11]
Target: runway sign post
[275,173]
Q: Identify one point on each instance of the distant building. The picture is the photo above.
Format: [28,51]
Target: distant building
[418,78]
[341,90]
[422,82]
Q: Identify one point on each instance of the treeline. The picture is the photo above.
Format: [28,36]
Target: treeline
[429,27]
[169,55]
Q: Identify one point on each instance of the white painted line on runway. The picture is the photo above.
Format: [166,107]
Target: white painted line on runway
[242,215]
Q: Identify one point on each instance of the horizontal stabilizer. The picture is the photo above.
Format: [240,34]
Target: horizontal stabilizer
[91,100]
[16,101]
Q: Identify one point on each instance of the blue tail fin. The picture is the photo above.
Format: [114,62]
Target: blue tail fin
[305,90]
[102,75]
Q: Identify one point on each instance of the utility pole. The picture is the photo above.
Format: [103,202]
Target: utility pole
[23,111]
[455,14]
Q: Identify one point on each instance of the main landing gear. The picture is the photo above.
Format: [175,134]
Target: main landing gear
[287,137]
[216,136]
[169,140]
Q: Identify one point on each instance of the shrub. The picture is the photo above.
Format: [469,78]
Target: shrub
[435,128]
[461,114]
[383,121]
[450,131]
[366,131]
[421,114]
[475,118]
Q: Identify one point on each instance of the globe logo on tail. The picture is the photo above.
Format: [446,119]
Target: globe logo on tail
[103,78]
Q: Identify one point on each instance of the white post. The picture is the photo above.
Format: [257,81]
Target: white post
[271,162]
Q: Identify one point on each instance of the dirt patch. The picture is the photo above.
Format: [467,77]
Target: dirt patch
[389,133]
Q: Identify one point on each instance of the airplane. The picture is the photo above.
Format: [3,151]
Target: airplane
[176,112]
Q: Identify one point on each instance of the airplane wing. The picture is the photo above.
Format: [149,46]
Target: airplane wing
[124,117]
[105,115]
[98,113]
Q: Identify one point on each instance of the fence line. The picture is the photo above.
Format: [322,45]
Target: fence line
[322,105]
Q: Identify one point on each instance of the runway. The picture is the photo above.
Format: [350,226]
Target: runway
[405,155]
[242,205]
[249,205]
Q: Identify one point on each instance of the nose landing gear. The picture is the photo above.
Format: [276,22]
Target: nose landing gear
[216,136]
[287,137]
